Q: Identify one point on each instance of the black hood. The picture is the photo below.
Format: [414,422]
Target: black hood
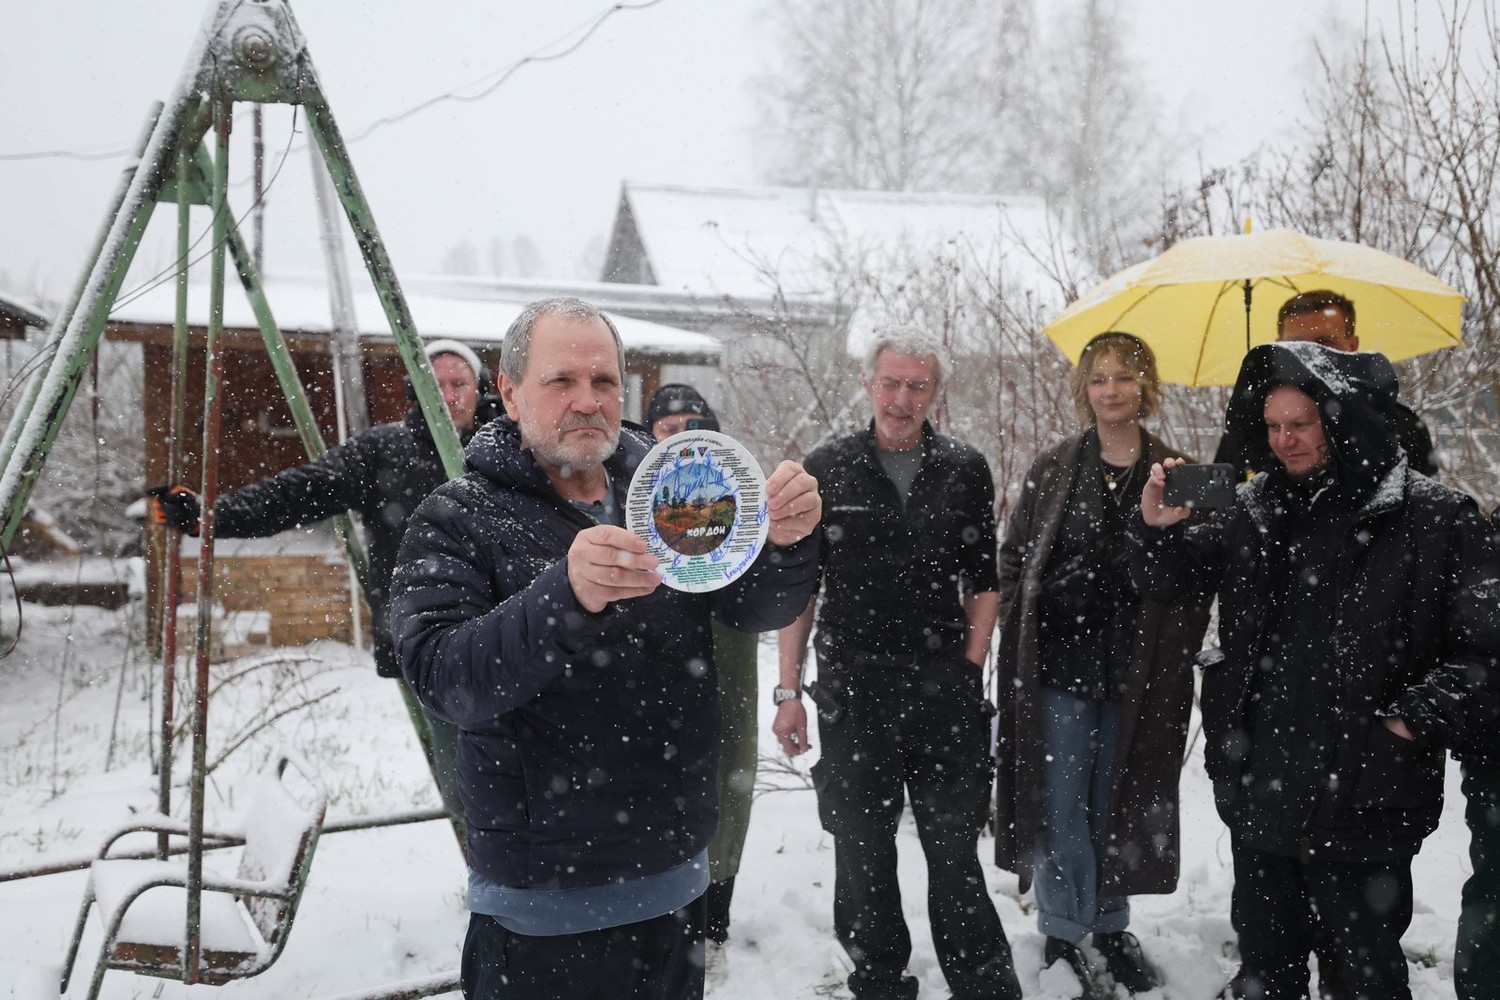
[1356,397]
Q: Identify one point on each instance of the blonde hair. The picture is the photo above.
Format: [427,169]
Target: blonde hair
[1132,352]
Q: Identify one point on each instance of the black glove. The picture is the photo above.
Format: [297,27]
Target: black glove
[175,505]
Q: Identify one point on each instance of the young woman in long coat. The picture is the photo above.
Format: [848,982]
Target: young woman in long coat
[1095,685]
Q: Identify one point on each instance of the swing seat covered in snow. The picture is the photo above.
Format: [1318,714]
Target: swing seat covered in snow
[245,918]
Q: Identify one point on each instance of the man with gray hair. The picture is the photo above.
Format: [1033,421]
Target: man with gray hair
[910,599]
[585,692]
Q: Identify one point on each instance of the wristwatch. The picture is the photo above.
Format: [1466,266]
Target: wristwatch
[781,694]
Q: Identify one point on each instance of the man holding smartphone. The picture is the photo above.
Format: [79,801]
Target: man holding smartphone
[1359,631]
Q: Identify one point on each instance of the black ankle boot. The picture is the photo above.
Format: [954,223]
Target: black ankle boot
[1126,962]
[1070,954]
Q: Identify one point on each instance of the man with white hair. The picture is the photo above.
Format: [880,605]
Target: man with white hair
[910,599]
[585,691]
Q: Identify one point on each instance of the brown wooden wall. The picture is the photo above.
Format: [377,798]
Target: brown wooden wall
[307,594]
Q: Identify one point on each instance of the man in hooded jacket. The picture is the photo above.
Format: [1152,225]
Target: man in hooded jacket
[1359,626]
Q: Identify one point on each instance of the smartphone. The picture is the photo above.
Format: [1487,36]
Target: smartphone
[1209,485]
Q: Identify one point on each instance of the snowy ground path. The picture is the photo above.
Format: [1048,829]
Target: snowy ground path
[384,906]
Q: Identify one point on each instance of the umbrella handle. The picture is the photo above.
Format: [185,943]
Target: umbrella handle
[1247,315]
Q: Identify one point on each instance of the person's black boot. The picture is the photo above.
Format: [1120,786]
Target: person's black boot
[1070,954]
[1126,962]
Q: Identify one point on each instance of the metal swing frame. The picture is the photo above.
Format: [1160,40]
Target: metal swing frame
[248,51]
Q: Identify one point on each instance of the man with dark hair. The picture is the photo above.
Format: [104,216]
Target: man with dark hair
[1320,316]
[1359,625]
[585,692]
[677,407]
[383,474]
[1324,317]
[674,408]
[909,606]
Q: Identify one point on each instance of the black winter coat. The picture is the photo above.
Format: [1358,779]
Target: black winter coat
[1155,698]
[589,741]
[1415,634]
[1482,748]
[383,474]
[897,571]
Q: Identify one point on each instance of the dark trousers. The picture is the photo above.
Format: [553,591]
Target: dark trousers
[658,959]
[716,919]
[1282,905]
[1476,959]
[929,740]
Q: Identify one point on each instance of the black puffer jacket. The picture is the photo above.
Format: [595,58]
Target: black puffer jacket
[383,474]
[1415,621]
[589,741]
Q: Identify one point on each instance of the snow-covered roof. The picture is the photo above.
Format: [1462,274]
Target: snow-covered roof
[730,241]
[19,313]
[439,308]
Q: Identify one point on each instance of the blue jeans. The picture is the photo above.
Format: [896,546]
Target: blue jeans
[1078,748]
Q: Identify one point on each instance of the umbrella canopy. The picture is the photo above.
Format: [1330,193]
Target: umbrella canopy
[1192,302]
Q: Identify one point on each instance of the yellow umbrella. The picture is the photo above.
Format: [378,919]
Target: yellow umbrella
[1203,303]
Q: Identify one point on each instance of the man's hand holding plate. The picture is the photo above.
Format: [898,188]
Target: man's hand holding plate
[606,564]
[794,504]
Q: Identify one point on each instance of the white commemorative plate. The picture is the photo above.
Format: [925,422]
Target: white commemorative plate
[699,501]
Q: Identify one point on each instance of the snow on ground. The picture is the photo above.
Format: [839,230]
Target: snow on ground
[386,905]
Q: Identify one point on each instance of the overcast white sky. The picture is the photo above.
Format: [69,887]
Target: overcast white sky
[656,95]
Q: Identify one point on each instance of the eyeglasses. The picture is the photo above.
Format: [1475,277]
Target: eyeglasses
[890,386]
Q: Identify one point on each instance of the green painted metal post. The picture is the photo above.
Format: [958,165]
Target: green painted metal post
[171,575]
[383,275]
[65,315]
[78,342]
[213,409]
[286,372]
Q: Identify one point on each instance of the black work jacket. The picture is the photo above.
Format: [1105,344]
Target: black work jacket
[895,574]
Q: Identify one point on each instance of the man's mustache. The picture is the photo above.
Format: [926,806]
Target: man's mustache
[594,421]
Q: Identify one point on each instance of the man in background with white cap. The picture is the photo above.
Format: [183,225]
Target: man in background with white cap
[383,473]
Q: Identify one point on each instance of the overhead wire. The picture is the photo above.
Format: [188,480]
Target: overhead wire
[170,272]
[536,56]
[590,26]
[45,349]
